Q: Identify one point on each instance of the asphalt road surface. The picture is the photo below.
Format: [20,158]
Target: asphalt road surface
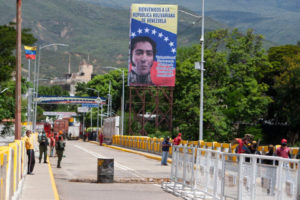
[135,177]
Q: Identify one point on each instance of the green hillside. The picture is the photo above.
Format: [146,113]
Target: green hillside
[277,20]
[89,29]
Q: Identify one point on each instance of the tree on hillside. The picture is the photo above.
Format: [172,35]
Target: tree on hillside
[234,100]
[7,67]
[284,79]
[101,84]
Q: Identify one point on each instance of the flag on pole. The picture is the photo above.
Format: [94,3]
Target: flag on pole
[30,52]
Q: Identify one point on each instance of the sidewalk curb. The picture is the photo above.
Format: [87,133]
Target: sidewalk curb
[53,184]
[131,151]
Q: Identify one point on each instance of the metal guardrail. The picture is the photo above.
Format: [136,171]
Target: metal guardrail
[198,173]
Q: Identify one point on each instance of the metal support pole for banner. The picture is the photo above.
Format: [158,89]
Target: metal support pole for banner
[202,71]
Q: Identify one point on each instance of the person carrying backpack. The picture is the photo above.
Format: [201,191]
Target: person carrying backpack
[60,147]
[43,140]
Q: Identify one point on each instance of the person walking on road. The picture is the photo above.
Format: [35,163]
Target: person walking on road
[60,147]
[30,153]
[52,145]
[43,140]
[283,151]
[165,150]
[100,137]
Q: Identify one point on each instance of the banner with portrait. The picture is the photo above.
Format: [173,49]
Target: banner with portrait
[153,42]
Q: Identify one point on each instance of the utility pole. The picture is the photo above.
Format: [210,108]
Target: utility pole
[202,71]
[18,72]
[123,96]
[109,101]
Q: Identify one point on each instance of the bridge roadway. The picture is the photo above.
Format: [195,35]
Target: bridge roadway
[136,177]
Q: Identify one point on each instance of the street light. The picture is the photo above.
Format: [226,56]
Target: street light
[200,66]
[202,70]
[122,112]
[98,101]
[37,75]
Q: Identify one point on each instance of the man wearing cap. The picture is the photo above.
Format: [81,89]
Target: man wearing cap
[283,151]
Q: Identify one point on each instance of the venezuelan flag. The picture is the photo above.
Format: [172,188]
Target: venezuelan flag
[30,52]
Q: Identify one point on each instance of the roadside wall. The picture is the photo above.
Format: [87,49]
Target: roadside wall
[13,167]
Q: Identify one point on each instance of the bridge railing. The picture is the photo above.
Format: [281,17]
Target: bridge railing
[153,145]
[198,173]
[13,167]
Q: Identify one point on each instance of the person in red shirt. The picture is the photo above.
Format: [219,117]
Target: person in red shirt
[56,137]
[177,140]
[100,137]
[283,151]
[243,144]
[52,144]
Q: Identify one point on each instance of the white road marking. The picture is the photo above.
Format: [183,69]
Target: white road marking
[118,165]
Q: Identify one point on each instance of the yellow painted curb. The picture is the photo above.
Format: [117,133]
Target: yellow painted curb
[93,142]
[54,188]
[139,153]
[130,151]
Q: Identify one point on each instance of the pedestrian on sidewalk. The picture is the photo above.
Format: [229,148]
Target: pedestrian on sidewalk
[30,152]
[52,145]
[165,150]
[44,143]
[60,147]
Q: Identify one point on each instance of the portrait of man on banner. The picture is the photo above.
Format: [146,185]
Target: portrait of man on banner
[142,58]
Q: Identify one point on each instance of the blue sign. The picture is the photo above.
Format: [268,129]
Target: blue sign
[89,105]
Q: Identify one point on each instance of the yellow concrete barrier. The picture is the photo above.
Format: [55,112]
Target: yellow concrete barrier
[153,145]
[13,160]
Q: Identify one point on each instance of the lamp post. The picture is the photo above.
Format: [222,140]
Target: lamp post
[109,107]
[202,70]
[200,66]
[37,75]
[122,104]
[98,101]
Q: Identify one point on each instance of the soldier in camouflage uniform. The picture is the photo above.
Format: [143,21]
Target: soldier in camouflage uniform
[43,140]
[60,147]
